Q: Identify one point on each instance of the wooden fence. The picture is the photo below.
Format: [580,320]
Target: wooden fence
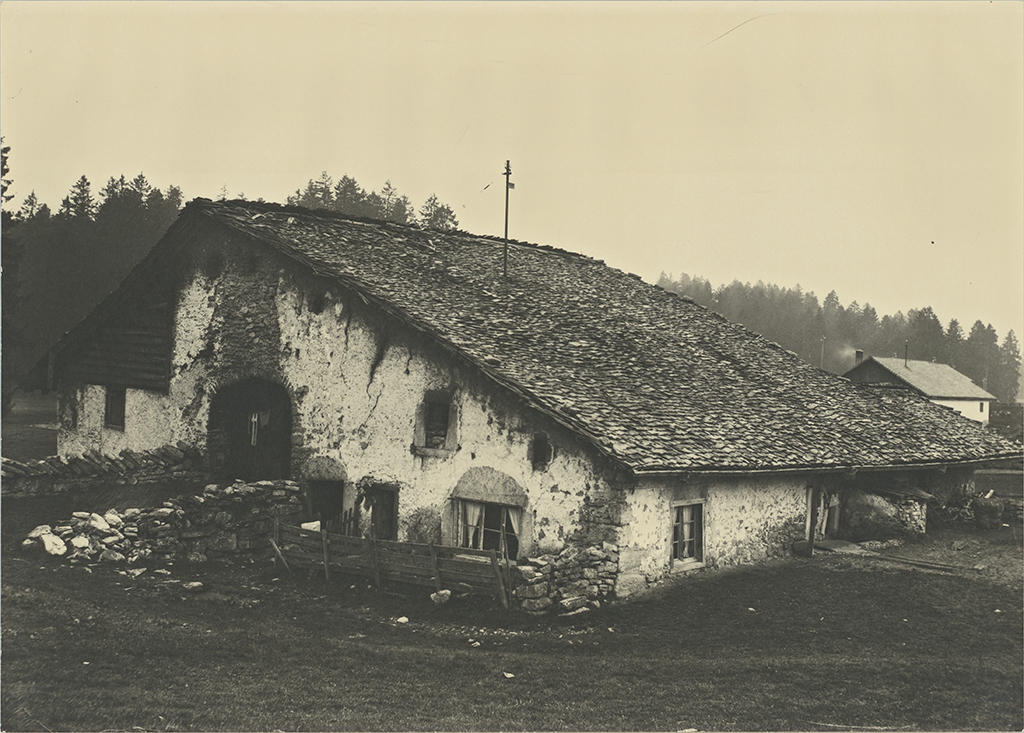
[461,570]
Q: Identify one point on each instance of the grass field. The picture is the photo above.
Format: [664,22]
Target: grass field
[805,644]
[30,431]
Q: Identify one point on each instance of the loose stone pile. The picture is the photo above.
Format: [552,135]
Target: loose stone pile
[569,583]
[222,521]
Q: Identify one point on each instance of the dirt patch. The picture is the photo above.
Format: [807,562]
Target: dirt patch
[996,554]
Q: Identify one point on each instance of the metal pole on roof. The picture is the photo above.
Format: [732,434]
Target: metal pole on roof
[821,363]
[508,185]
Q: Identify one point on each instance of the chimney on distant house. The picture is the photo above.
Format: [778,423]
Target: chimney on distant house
[858,356]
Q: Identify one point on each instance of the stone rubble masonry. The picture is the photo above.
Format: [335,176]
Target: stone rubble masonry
[569,582]
[60,474]
[912,514]
[221,522]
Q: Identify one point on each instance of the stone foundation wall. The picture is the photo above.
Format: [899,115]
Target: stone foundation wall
[61,474]
[569,583]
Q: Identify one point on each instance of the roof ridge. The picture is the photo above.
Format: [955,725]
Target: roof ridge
[201,202]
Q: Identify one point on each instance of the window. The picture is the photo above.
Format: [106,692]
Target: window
[383,505]
[326,503]
[113,411]
[688,533]
[484,526]
[317,303]
[541,452]
[435,424]
[981,407]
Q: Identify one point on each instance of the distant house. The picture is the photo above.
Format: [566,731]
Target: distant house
[940,383]
[397,374]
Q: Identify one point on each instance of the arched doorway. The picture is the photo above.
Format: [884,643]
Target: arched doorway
[250,431]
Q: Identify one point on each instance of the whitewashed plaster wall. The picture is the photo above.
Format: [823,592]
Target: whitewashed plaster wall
[745,520]
[364,422]
[367,422]
[977,410]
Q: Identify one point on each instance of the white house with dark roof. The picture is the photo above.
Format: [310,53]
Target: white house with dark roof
[397,373]
[940,383]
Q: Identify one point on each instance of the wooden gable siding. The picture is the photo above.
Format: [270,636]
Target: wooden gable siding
[132,349]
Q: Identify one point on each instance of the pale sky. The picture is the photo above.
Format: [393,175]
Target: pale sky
[826,144]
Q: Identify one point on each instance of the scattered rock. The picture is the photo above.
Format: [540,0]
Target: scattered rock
[53,545]
[40,531]
[402,620]
[80,542]
[98,522]
[441,597]
[193,586]
[109,555]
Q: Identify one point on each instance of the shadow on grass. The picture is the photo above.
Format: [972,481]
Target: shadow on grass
[789,646]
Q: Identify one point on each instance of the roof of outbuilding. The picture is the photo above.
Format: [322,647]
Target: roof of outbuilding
[653,379]
[933,379]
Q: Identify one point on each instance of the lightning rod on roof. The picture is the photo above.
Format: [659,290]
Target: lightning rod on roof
[508,186]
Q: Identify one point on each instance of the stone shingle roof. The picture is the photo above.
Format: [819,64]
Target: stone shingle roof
[933,379]
[653,379]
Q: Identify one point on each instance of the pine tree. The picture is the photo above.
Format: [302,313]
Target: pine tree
[349,197]
[141,186]
[1007,379]
[29,207]
[435,215]
[82,203]
[5,182]
[954,344]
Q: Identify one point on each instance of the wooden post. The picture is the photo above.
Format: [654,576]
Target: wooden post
[277,551]
[324,542]
[812,517]
[501,583]
[376,563]
[277,528]
[437,572]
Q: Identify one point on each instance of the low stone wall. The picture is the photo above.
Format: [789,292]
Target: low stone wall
[569,583]
[61,474]
[221,522]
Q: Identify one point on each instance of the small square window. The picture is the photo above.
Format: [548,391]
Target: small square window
[435,424]
[688,533]
[541,452]
[113,411]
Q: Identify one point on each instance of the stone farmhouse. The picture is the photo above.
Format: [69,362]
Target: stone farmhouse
[940,383]
[419,395]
